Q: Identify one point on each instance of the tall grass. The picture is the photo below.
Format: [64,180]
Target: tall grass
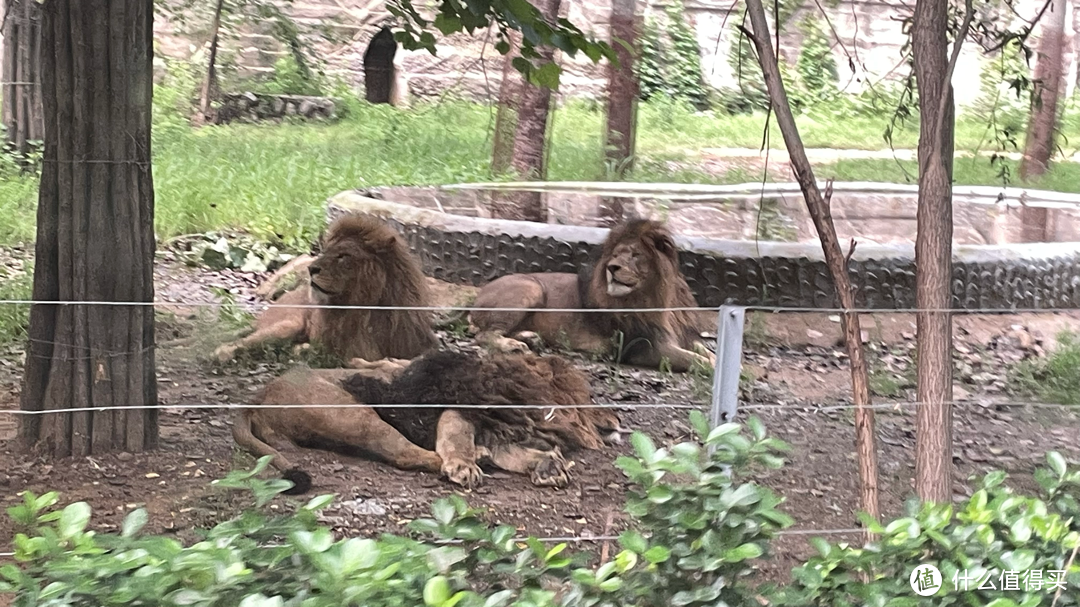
[273,179]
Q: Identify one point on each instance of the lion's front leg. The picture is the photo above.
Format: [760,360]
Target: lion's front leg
[679,360]
[455,442]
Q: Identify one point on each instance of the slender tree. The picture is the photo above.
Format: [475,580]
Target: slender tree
[529,151]
[95,234]
[21,98]
[621,125]
[818,206]
[934,66]
[1043,117]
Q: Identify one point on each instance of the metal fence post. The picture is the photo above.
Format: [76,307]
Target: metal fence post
[729,346]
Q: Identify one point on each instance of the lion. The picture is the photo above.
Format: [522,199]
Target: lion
[517,412]
[638,267]
[363,262]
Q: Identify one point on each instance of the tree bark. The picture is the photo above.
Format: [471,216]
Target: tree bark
[620,131]
[1043,117]
[933,250]
[95,235]
[210,85]
[528,156]
[506,117]
[21,73]
[820,212]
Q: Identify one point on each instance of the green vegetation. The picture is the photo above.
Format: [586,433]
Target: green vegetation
[698,532]
[1054,378]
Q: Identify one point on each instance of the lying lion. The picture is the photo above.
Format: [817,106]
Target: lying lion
[638,268]
[525,439]
[364,262]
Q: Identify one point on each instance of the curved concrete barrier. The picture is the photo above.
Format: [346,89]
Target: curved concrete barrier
[476,250]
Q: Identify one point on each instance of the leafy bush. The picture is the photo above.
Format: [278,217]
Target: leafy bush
[697,533]
[995,536]
[670,63]
[15,283]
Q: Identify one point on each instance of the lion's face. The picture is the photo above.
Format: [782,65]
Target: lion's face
[347,273]
[627,270]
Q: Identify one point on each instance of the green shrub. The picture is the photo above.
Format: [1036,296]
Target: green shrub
[996,532]
[698,531]
[14,318]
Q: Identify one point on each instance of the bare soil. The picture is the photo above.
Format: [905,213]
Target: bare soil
[795,370]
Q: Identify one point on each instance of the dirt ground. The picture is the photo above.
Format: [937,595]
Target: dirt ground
[794,371]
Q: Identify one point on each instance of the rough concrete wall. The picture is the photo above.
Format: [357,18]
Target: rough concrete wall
[869,31]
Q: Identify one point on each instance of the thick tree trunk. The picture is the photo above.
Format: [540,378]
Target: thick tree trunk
[1043,118]
[820,212]
[209,87]
[933,252]
[528,156]
[21,74]
[95,234]
[621,126]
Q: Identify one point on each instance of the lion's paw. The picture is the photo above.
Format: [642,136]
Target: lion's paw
[509,345]
[225,352]
[551,472]
[532,340]
[299,349]
[462,472]
[702,351]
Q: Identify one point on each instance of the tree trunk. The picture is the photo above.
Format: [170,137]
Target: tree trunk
[621,127]
[209,87]
[527,158]
[1042,120]
[820,212]
[933,252]
[21,73]
[95,234]
[510,90]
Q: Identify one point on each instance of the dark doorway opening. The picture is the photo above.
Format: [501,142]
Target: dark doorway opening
[379,67]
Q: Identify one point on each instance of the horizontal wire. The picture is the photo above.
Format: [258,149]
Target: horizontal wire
[606,538]
[761,407]
[751,308]
[352,406]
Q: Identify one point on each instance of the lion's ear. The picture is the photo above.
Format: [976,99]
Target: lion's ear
[383,243]
[664,244]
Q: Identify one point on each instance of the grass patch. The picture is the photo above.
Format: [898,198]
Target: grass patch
[272,180]
[15,284]
[1053,378]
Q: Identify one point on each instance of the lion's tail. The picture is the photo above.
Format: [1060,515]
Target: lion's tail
[244,437]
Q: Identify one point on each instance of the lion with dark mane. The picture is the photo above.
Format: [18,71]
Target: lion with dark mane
[363,262]
[638,267]
[518,412]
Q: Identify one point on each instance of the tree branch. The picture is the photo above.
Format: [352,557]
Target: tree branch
[958,42]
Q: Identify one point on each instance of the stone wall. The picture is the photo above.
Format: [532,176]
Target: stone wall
[872,213]
[474,250]
[869,32]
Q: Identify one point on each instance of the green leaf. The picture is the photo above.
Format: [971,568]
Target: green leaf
[657,554]
[437,591]
[756,428]
[660,494]
[447,24]
[1021,530]
[319,502]
[699,423]
[443,510]
[1001,602]
[134,522]
[547,76]
[313,542]
[721,431]
[643,446]
[821,545]
[73,520]
[1057,463]
[742,553]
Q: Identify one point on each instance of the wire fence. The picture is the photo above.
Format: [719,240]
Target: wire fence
[896,405]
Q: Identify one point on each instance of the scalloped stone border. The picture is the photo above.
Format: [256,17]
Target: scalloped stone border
[475,250]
